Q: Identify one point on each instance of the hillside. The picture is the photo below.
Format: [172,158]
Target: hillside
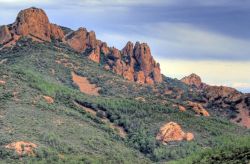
[64,100]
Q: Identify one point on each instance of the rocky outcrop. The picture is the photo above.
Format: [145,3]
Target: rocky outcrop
[5,35]
[48,99]
[231,101]
[198,109]
[32,23]
[222,100]
[133,62]
[215,93]
[56,32]
[173,132]
[193,80]
[22,148]
[2,82]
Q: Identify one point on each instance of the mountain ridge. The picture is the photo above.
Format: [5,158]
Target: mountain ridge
[57,105]
[134,63]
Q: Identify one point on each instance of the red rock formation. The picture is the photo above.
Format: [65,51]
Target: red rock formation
[94,56]
[214,92]
[193,80]
[115,53]
[128,50]
[77,40]
[136,63]
[5,35]
[149,80]
[129,73]
[222,97]
[198,108]
[22,148]
[32,23]
[56,32]
[173,132]
[132,62]
[140,77]
[48,99]
[105,49]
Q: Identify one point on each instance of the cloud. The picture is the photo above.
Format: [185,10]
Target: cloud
[184,41]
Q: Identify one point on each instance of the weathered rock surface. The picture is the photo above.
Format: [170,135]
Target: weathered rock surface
[5,35]
[48,99]
[193,80]
[133,62]
[22,148]
[198,108]
[173,132]
[32,23]
[224,100]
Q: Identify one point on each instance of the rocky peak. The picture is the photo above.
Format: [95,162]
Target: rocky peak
[34,22]
[221,97]
[128,50]
[193,80]
[133,62]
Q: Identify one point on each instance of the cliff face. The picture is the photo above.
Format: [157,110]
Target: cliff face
[134,62]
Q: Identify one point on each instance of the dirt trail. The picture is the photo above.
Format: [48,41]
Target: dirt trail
[84,85]
[119,129]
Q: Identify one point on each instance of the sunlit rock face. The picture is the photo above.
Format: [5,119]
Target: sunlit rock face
[133,62]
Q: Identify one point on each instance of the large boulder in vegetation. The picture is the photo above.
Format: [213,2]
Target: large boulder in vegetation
[22,148]
[173,132]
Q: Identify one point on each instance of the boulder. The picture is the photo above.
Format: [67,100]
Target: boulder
[22,148]
[173,132]
[198,108]
[48,99]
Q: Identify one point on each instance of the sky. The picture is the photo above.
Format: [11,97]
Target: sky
[208,37]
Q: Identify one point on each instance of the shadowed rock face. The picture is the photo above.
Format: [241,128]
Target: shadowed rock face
[221,97]
[134,63]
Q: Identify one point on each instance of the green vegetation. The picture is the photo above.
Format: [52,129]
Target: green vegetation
[234,150]
[65,133]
